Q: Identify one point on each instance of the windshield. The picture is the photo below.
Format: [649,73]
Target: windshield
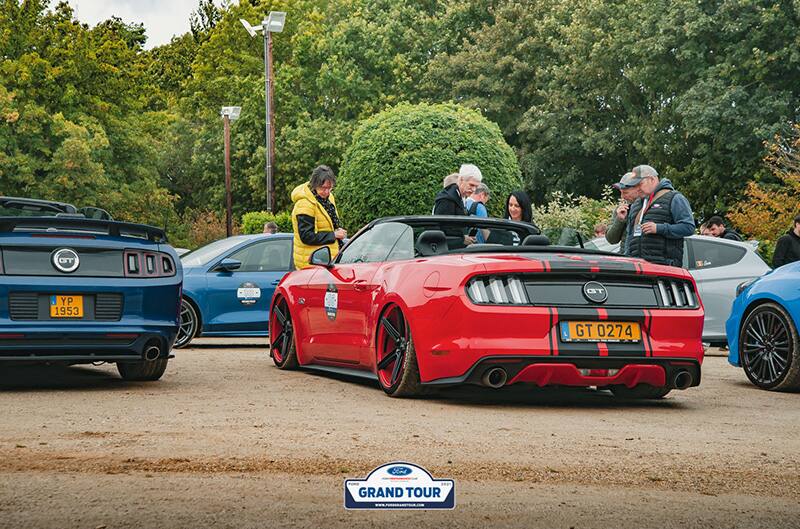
[209,252]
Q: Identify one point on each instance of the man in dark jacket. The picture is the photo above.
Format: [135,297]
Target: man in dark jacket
[450,200]
[658,221]
[716,226]
[788,248]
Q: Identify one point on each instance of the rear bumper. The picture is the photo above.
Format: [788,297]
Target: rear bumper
[117,343]
[565,371]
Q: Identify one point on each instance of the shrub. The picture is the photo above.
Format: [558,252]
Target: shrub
[206,227]
[398,159]
[254,221]
[578,213]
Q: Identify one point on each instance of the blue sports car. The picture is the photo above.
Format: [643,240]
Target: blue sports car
[762,329]
[78,290]
[228,285]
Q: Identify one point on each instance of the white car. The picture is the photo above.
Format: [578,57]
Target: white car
[718,267]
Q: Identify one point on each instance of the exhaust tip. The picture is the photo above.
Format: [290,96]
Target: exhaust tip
[495,377]
[682,380]
[152,352]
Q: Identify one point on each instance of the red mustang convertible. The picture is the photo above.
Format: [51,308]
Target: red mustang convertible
[417,304]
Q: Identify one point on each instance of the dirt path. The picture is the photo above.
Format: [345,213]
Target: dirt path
[225,439]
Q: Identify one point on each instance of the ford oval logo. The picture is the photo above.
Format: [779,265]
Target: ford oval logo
[66,260]
[399,471]
[595,292]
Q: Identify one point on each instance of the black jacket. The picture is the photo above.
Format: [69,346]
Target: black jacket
[787,250]
[448,202]
[730,235]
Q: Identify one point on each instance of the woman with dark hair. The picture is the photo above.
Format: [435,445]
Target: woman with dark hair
[314,217]
[519,207]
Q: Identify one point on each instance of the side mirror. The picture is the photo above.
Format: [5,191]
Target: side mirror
[229,265]
[321,257]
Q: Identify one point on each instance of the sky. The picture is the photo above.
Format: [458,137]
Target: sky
[161,18]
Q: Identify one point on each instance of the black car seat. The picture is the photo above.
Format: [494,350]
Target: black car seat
[431,242]
[536,240]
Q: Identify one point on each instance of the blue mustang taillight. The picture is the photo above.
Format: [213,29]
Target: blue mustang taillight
[137,263]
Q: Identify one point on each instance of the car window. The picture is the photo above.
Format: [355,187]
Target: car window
[711,254]
[389,241]
[265,256]
[209,252]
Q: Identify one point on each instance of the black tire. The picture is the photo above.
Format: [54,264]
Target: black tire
[189,324]
[142,371]
[283,348]
[769,348]
[396,363]
[641,391]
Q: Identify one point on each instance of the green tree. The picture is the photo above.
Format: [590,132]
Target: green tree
[399,157]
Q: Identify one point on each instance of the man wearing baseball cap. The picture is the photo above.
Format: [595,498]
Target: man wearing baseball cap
[619,220]
[659,220]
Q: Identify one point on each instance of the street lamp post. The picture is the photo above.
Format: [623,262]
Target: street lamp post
[272,24]
[228,114]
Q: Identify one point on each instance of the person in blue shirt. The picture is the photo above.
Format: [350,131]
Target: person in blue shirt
[476,206]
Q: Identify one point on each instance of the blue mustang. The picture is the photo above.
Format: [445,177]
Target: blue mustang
[78,290]
[762,329]
[228,285]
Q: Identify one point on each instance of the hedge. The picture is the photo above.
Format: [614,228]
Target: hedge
[254,221]
[399,157]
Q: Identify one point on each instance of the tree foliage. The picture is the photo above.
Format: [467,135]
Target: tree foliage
[581,89]
[769,206]
[399,157]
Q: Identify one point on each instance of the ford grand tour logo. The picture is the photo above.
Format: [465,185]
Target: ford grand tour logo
[66,260]
[595,292]
[398,471]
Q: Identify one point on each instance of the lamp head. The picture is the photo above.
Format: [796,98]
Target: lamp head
[250,29]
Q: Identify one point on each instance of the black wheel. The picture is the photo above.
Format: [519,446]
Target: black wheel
[188,326]
[641,391]
[142,371]
[281,336]
[398,372]
[768,344]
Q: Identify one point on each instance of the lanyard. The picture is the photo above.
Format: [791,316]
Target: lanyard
[646,207]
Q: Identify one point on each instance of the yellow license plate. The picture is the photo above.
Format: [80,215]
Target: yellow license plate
[66,306]
[600,331]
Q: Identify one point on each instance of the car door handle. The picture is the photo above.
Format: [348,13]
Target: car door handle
[360,285]
[276,282]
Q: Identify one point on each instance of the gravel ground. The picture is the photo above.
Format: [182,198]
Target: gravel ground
[227,440]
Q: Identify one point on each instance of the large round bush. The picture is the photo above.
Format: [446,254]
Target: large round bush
[399,157]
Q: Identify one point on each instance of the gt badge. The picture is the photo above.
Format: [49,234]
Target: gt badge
[66,260]
[595,292]
[248,293]
[331,301]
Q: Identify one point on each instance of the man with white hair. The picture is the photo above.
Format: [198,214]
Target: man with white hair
[659,221]
[450,200]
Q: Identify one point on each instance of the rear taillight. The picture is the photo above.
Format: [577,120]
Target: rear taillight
[137,263]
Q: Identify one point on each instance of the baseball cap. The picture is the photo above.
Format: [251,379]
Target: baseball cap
[627,181]
[470,171]
[643,171]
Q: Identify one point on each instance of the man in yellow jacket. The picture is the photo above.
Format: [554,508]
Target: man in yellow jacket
[314,217]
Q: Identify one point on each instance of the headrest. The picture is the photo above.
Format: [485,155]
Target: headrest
[536,240]
[431,242]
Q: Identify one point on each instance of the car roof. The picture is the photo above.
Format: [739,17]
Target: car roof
[423,221]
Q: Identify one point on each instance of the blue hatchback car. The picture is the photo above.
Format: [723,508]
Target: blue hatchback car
[228,285]
[762,329]
[77,290]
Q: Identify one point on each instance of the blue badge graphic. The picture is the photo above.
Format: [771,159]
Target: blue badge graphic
[399,486]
